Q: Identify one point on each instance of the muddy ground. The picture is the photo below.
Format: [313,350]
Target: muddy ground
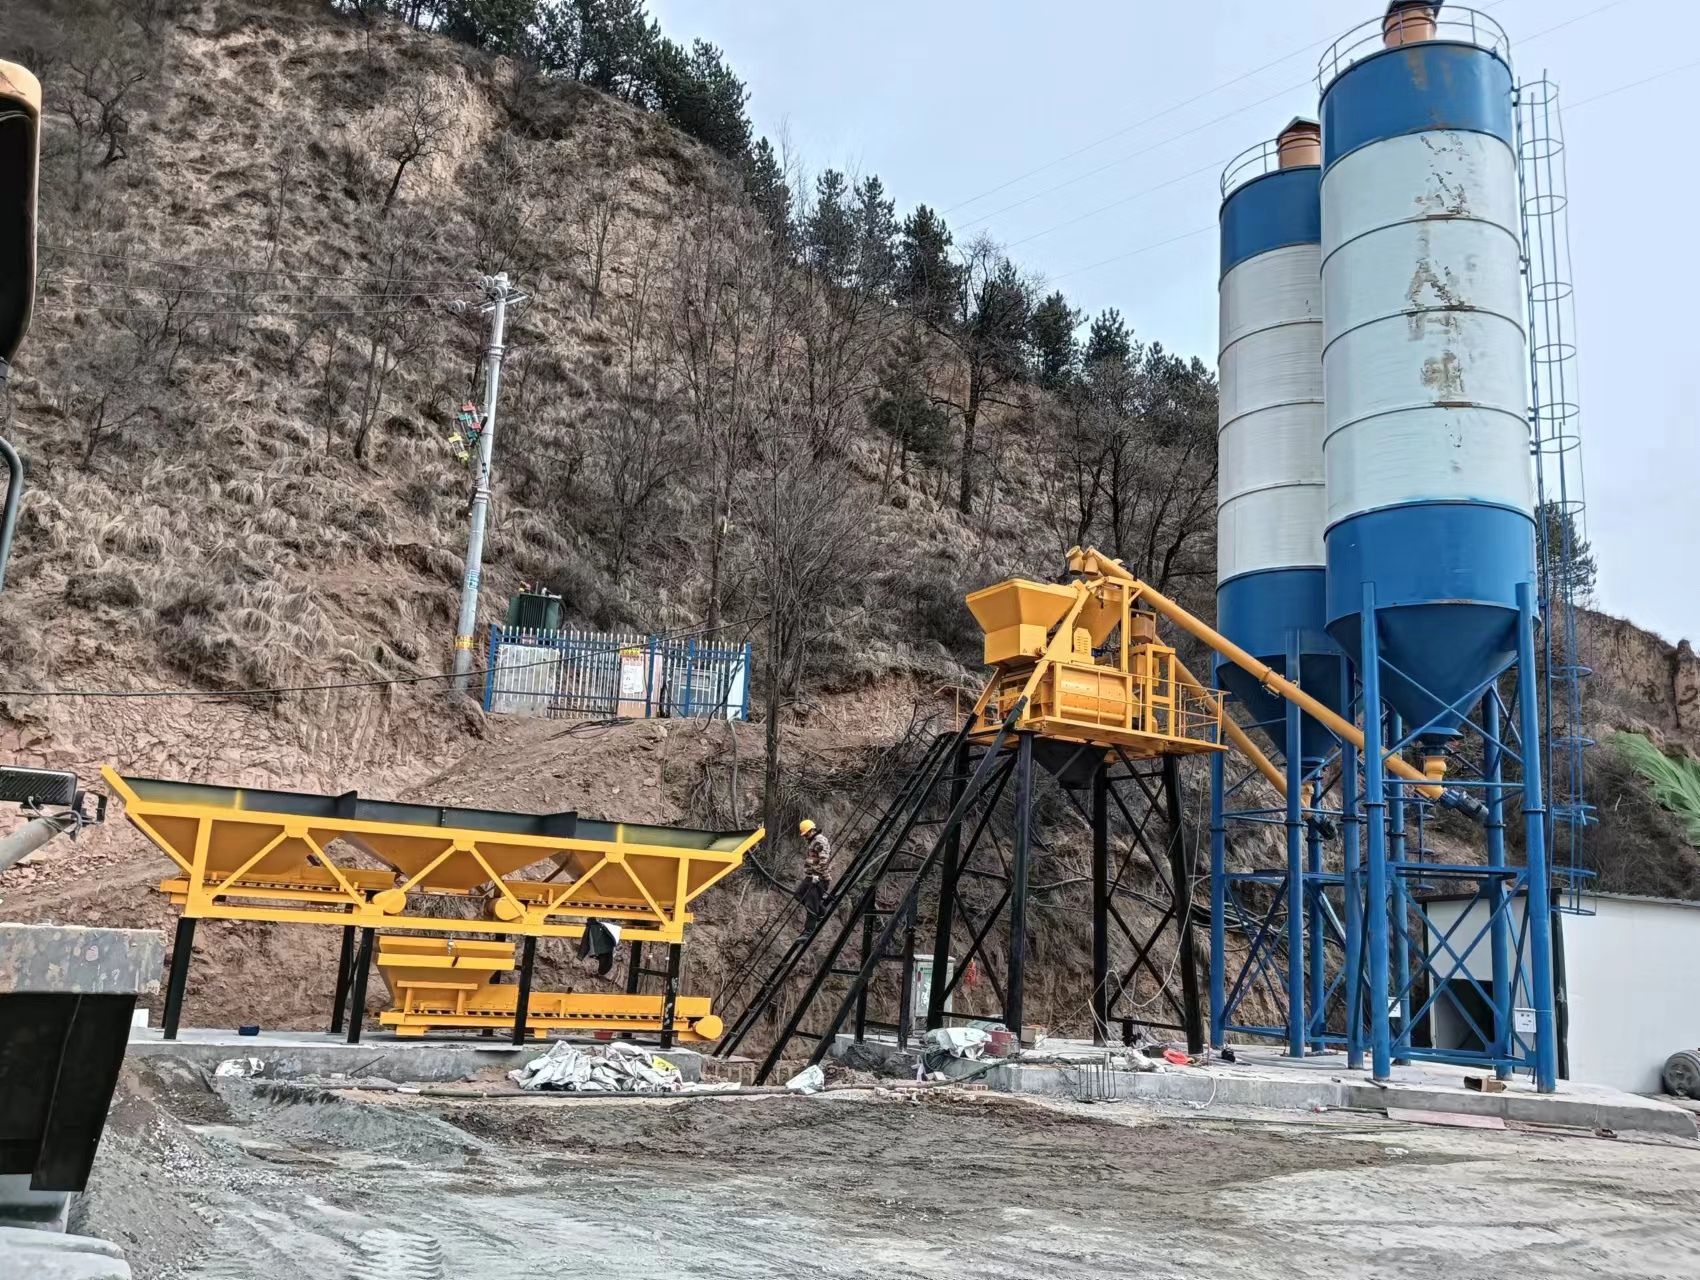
[257,1181]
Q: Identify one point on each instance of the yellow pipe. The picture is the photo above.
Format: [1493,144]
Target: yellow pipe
[1236,735]
[1092,561]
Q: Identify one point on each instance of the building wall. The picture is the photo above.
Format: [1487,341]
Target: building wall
[1634,998]
[1630,980]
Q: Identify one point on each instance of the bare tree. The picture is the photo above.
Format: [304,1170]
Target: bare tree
[724,340]
[994,311]
[811,550]
[636,435]
[103,65]
[501,210]
[591,218]
[413,129]
[395,322]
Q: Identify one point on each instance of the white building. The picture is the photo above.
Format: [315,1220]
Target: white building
[1628,981]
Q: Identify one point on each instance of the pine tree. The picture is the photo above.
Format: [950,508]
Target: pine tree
[616,42]
[928,277]
[764,182]
[1109,339]
[1056,351]
[876,233]
[499,26]
[1571,566]
[701,95]
[831,237]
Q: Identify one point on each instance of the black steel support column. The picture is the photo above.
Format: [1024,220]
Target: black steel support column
[634,968]
[1100,904]
[182,949]
[1180,875]
[938,990]
[357,1002]
[1019,876]
[522,1005]
[906,982]
[344,964]
[670,999]
[868,918]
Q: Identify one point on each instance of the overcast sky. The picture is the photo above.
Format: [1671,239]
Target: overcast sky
[973,106]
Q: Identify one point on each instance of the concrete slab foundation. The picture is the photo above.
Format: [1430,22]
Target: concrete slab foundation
[294,1055]
[1264,1078]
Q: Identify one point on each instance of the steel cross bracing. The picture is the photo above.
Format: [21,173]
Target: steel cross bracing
[886,863]
[1365,956]
[867,858]
[972,785]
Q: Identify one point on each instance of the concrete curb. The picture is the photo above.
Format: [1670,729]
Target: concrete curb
[1308,1093]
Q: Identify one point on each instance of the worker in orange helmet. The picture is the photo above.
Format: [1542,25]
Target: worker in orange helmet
[817,861]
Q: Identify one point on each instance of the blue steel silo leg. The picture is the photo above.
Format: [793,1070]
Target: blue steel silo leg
[1296,1024]
[1375,817]
[1218,903]
[1352,985]
[1539,899]
[1399,890]
[1499,898]
[1316,957]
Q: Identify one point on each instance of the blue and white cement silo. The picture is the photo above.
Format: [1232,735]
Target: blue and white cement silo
[1271,588]
[1430,522]
[1270,498]
[1425,363]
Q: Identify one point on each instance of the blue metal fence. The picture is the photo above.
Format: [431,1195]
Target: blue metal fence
[609,676]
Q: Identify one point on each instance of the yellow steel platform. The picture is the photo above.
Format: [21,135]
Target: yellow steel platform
[449,984]
[300,857]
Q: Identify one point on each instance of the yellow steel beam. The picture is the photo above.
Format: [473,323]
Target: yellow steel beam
[1092,562]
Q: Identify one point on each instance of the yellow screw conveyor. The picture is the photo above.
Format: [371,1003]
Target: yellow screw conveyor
[445,984]
[303,858]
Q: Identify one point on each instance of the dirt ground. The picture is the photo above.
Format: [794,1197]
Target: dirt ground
[255,1181]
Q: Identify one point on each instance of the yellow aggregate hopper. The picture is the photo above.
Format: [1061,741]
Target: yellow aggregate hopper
[300,857]
[450,984]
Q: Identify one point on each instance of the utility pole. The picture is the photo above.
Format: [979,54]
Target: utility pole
[496,288]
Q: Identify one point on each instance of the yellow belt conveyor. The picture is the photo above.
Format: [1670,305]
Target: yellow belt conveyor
[446,984]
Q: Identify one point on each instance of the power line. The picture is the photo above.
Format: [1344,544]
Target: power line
[613,647]
[346,312]
[199,694]
[235,269]
[1134,253]
[1633,84]
[249,293]
[1307,83]
[1138,124]
[1212,167]
[1187,235]
[1132,155]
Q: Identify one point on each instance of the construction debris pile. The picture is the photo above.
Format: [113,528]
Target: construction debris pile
[617,1068]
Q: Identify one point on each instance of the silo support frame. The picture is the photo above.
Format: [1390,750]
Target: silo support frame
[1375,960]
[1409,949]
